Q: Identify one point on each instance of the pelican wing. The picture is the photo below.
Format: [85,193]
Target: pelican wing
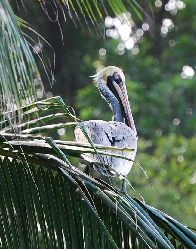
[109,134]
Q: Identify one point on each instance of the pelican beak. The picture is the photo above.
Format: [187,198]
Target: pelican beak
[123,96]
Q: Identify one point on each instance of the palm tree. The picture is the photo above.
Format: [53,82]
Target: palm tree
[46,202]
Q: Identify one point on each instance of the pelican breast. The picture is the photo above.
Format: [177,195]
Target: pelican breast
[110,133]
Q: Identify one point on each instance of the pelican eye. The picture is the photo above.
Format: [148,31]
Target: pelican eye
[117,78]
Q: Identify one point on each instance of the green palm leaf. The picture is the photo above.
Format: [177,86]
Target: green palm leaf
[18,68]
[72,208]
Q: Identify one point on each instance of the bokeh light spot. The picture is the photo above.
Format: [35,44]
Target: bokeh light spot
[129,44]
[61,132]
[164,30]
[39,93]
[139,32]
[192,180]
[135,50]
[180,158]
[187,72]
[108,22]
[168,23]
[158,133]
[172,43]
[102,51]
[158,3]
[145,26]
[189,111]
[176,121]
[121,46]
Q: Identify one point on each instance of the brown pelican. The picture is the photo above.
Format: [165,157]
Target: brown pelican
[120,132]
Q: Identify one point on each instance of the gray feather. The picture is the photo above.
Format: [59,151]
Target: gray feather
[109,134]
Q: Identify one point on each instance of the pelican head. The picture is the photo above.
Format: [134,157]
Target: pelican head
[111,84]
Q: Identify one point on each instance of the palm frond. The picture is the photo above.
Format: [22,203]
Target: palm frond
[18,70]
[92,11]
[127,217]
[70,209]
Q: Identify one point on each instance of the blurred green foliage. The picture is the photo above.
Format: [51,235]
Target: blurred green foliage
[162,101]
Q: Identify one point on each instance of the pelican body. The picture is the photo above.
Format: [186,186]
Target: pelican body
[120,132]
